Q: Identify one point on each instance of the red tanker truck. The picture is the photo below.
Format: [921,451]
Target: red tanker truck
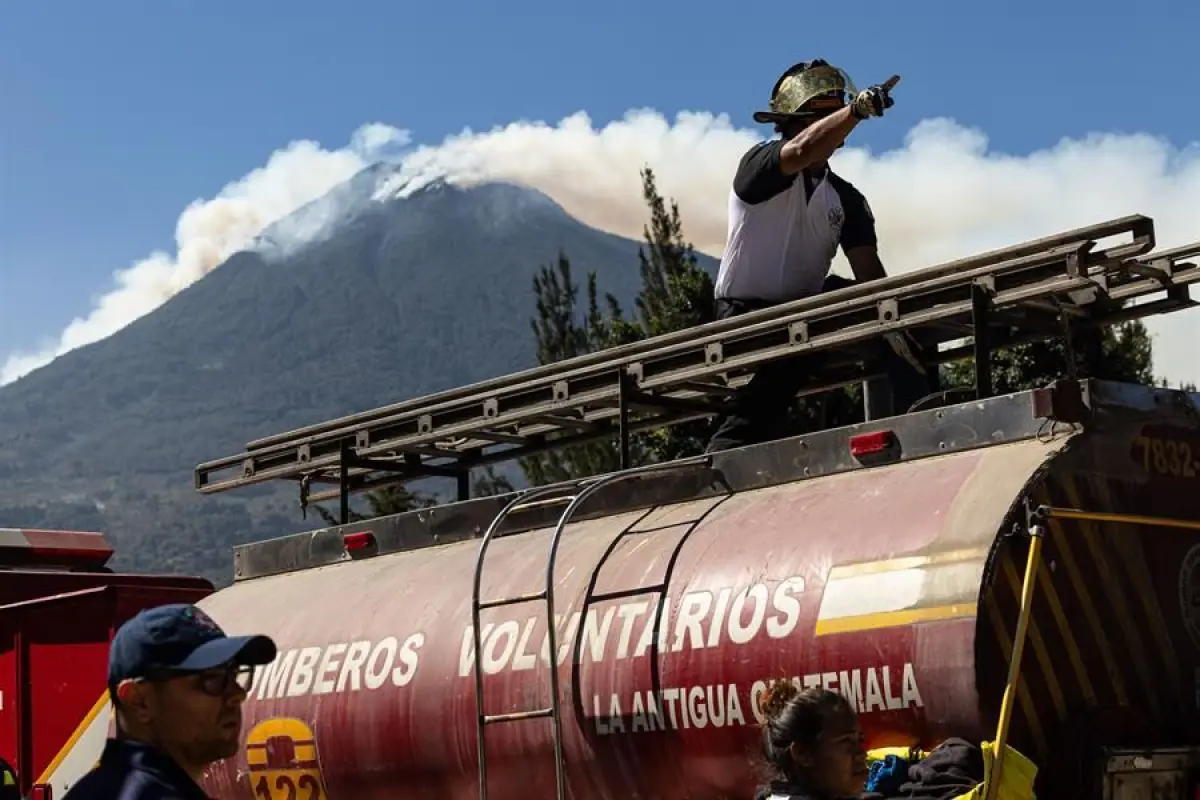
[608,637]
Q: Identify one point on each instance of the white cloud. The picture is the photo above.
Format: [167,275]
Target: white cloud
[942,195]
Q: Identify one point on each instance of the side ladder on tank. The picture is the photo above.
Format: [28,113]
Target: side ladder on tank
[573,494]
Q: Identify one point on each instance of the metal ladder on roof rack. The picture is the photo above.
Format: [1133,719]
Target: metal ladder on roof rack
[582,489]
[1001,298]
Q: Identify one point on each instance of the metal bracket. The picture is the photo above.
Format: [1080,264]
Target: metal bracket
[982,291]
[714,353]
[889,310]
[1061,401]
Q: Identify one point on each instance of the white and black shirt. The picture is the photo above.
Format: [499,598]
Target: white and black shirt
[784,230]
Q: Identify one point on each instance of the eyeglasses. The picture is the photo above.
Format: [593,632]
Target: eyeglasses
[220,682]
[214,682]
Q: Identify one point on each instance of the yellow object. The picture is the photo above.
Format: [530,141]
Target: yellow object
[1122,519]
[1036,536]
[910,753]
[1016,776]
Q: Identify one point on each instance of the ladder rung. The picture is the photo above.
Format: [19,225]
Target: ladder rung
[550,501]
[621,594]
[666,526]
[563,421]
[512,601]
[517,716]
[500,436]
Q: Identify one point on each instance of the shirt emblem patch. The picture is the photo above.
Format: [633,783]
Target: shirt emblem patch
[837,218]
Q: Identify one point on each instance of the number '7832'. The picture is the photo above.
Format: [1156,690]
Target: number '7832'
[1172,457]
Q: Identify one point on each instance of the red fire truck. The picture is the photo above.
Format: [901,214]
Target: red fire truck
[60,607]
[607,637]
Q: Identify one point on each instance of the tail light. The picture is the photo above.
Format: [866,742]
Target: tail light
[358,541]
[867,444]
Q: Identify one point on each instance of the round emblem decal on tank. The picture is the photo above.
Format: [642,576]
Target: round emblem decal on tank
[281,754]
[1189,593]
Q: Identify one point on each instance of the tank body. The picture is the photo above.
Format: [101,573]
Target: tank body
[896,585]
[866,582]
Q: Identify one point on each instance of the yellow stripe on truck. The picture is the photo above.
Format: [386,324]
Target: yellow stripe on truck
[893,619]
[897,592]
[74,738]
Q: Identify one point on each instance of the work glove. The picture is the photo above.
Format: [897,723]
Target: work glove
[874,100]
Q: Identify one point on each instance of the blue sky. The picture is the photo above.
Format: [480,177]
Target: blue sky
[115,115]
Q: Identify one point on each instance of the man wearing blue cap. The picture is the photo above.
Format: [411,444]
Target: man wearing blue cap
[177,684]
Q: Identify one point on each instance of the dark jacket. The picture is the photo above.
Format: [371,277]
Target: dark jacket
[953,768]
[135,771]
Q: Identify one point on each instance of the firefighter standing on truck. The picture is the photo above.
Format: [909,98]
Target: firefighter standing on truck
[788,213]
[177,684]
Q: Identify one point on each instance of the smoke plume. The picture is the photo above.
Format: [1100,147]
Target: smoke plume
[940,196]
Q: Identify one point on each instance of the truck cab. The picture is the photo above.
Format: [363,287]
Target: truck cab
[60,605]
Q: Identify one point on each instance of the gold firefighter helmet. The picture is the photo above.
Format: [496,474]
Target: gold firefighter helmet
[808,90]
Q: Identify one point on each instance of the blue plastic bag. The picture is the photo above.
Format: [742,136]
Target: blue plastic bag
[887,775]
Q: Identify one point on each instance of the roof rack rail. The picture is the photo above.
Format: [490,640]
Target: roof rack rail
[999,298]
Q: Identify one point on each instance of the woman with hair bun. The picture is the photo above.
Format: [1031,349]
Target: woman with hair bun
[812,743]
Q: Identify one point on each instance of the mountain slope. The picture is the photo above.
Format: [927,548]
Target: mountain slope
[399,299]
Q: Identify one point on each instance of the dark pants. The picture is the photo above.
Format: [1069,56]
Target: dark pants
[761,406]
